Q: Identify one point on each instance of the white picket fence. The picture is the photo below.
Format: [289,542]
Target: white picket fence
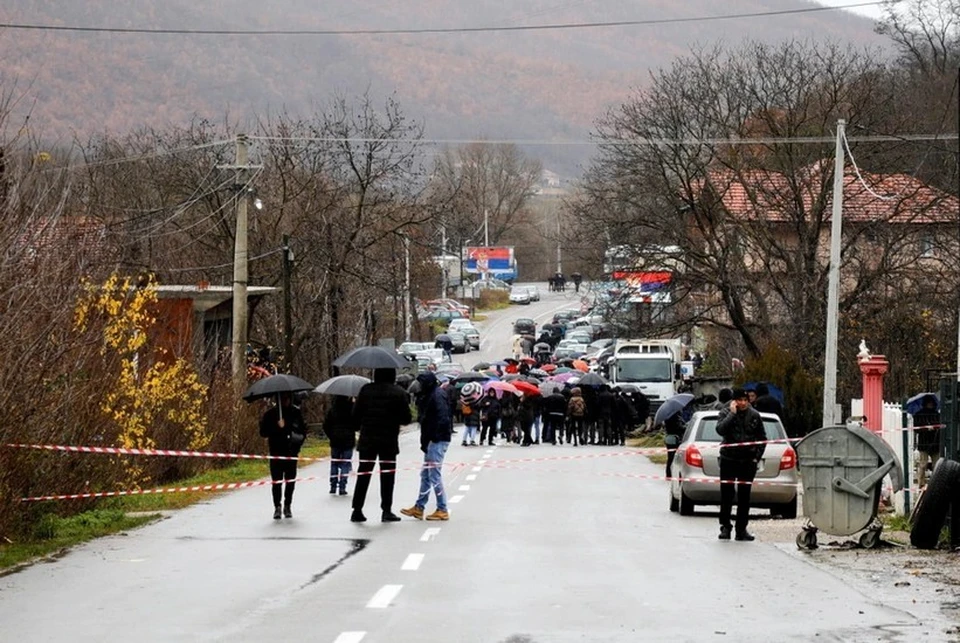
[893,428]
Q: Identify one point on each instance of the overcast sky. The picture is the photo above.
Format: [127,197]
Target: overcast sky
[874,11]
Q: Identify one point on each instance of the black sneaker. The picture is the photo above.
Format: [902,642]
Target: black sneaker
[276,513]
[389,516]
[745,536]
[333,490]
[287,512]
[343,492]
[724,533]
[357,516]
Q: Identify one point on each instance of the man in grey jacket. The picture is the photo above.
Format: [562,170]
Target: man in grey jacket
[738,462]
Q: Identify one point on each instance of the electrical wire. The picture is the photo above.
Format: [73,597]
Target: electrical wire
[141,157]
[648,142]
[223,265]
[438,30]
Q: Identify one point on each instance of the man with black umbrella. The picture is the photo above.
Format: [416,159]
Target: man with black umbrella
[382,408]
[285,430]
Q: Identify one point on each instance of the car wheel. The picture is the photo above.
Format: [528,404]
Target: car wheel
[685,504]
[787,510]
[931,512]
[674,503]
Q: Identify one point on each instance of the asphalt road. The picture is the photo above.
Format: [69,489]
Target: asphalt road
[544,544]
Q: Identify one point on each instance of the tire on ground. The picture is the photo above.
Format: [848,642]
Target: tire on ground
[931,511]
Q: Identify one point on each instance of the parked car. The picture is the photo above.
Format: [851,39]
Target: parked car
[534,293]
[525,326]
[442,315]
[460,344]
[451,368]
[563,316]
[457,325]
[696,468]
[569,348]
[449,304]
[581,336]
[473,336]
[519,295]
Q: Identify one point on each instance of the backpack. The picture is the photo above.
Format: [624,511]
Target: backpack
[578,407]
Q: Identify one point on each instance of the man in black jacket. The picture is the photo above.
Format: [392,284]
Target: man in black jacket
[554,414]
[738,464]
[436,428]
[489,416]
[382,408]
[285,430]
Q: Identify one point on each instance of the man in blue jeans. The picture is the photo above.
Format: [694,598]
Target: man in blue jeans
[436,427]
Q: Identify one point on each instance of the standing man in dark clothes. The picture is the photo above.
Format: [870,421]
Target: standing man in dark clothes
[382,408]
[605,404]
[489,416]
[928,438]
[624,417]
[340,425]
[592,416]
[641,405]
[555,414]
[435,433]
[673,428]
[285,430]
[766,403]
[525,414]
[738,464]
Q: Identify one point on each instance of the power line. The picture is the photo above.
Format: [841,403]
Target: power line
[787,140]
[435,30]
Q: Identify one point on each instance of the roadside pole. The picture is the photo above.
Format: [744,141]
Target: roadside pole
[833,292]
[240,258]
[287,305]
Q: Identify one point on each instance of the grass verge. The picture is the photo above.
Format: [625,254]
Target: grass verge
[54,534]
[650,441]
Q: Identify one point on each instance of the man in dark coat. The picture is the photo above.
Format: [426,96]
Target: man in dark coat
[489,416]
[738,464]
[927,438]
[285,430]
[766,403]
[382,408]
[554,413]
[340,426]
[605,409]
[436,429]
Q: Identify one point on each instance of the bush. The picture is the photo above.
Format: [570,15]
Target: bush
[802,392]
[493,299]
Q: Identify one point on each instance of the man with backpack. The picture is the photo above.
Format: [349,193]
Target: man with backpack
[576,412]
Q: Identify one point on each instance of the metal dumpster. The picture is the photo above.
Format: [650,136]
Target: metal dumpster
[841,469]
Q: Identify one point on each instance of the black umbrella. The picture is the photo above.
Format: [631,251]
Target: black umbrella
[591,379]
[275,385]
[443,337]
[471,376]
[481,366]
[371,357]
[541,347]
[348,385]
[671,406]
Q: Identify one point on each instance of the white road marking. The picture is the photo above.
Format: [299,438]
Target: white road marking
[471,477]
[486,457]
[429,534]
[384,596]
[456,499]
[489,451]
[475,469]
[350,637]
[412,563]
[464,487]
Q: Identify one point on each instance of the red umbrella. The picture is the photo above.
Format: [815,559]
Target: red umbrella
[581,365]
[526,387]
[549,367]
[528,360]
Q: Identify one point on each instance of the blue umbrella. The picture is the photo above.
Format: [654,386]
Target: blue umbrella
[671,406]
[774,390]
[915,403]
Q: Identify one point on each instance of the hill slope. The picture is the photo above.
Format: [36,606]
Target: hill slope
[539,85]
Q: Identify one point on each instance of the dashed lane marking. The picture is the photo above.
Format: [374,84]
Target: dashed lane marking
[429,534]
[475,469]
[456,499]
[384,596]
[471,477]
[412,563]
[464,487]
[350,637]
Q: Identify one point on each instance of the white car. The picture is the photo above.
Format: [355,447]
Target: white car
[534,293]
[457,325]
[519,295]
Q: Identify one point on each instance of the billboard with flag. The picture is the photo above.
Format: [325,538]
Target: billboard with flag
[493,261]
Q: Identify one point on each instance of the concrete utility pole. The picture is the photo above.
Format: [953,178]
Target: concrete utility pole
[486,229]
[833,292]
[406,288]
[287,305]
[240,258]
[559,262]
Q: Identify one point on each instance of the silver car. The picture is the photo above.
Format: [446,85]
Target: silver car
[696,468]
[472,335]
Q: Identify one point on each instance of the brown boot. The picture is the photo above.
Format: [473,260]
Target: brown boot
[413,512]
[439,515]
